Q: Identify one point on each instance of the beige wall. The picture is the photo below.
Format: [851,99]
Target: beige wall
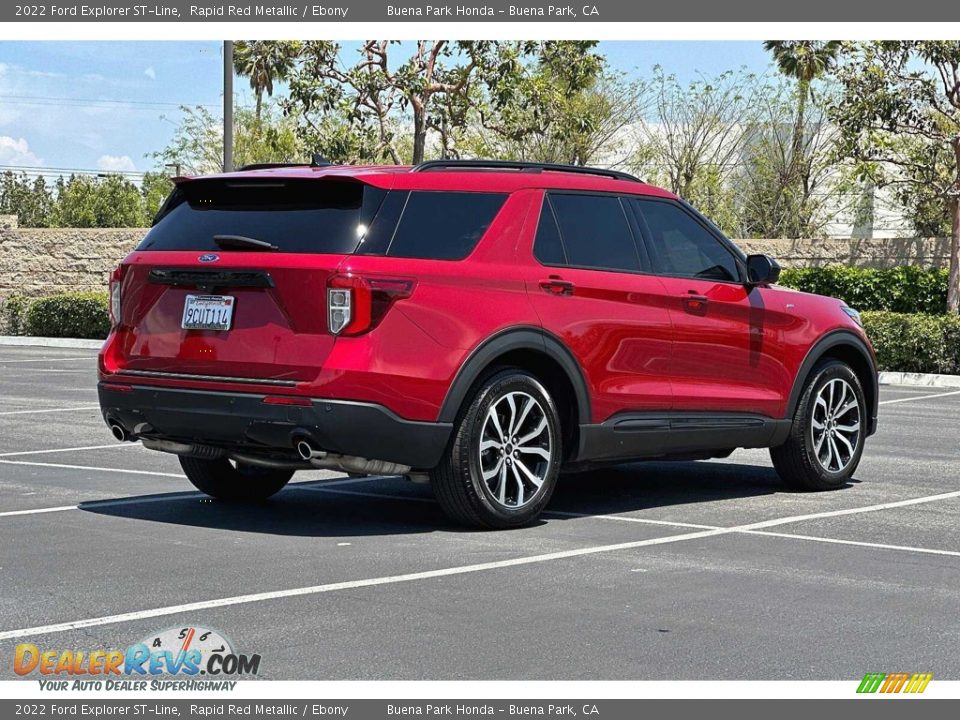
[37,262]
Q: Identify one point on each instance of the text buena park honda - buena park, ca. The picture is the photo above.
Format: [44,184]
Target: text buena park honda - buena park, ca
[565,11]
[450,710]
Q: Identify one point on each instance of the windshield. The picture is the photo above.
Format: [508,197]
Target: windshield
[302,216]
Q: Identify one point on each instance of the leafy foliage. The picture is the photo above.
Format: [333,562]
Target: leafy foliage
[905,289]
[74,315]
[915,342]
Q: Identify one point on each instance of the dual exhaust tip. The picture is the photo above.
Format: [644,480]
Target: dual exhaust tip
[119,432]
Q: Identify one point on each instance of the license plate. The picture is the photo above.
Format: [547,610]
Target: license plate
[207,312]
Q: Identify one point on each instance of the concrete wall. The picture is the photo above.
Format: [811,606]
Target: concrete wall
[37,262]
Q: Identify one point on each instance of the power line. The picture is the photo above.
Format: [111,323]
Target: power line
[103,102]
[44,170]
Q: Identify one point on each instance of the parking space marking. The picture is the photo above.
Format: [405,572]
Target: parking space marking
[857,543]
[89,467]
[71,449]
[56,359]
[456,570]
[919,397]
[49,410]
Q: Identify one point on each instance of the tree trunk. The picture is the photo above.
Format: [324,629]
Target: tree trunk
[796,146]
[259,106]
[419,136]
[953,283]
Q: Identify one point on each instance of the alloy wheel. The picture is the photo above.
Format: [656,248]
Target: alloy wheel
[516,449]
[835,425]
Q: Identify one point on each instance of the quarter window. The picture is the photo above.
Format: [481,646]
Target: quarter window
[444,225]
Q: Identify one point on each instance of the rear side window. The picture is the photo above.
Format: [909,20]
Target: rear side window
[682,246]
[304,216]
[444,225]
[595,232]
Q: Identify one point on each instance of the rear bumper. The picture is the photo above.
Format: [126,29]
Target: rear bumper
[244,421]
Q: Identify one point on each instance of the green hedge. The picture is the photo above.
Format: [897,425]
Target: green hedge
[915,342]
[75,315]
[900,289]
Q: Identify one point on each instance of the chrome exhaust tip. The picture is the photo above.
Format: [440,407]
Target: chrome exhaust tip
[118,432]
[304,450]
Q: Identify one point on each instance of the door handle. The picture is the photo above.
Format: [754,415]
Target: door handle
[695,302]
[556,286]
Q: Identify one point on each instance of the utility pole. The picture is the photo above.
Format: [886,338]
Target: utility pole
[228,106]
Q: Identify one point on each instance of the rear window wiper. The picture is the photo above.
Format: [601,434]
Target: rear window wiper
[242,242]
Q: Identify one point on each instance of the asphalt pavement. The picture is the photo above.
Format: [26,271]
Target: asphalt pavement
[651,571]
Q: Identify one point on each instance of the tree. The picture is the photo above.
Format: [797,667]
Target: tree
[804,61]
[197,143]
[899,121]
[31,201]
[356,113]
[111,201]
[562,107]
[154,190]
[781,188]
[693,139]
[264,62]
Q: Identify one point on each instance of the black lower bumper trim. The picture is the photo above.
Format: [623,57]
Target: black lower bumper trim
[244,421]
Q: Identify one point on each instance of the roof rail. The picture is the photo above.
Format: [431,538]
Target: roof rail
[519,165]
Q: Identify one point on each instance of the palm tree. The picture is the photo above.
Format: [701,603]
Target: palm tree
[264,62]
[804,61]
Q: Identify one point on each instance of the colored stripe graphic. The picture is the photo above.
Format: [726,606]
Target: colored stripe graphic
[888,683]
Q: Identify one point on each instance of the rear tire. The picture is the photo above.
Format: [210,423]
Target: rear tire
[240,483]
[502,463]
[828,431]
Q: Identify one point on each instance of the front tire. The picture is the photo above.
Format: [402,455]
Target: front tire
[828,431]
[237,483]
[502,463]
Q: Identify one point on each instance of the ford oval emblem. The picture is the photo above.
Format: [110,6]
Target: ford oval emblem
[209,257]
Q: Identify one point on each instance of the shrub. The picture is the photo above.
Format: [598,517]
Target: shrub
[915,342]
[76,315]
[14,311]
[905,289]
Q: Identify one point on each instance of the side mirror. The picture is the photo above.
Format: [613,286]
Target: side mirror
[762,270]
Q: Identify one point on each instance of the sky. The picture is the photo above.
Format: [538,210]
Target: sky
[105,106]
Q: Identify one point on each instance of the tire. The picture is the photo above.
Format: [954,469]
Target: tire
[462,482]
[240,483]
[813,458]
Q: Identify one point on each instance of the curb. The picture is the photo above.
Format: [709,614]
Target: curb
[886,378]
[30,341]
[920,379]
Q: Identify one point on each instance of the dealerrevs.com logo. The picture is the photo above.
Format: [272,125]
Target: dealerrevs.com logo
[188,653]
[909,683]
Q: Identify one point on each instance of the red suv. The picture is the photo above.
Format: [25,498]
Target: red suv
[479,325]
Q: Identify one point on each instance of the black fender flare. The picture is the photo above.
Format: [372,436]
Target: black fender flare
[816,353]
[518,338]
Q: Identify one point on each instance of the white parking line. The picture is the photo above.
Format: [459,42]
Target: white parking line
[71,449]
[49,410]
[90,467]
[445,572]
[919,397]
[56,359]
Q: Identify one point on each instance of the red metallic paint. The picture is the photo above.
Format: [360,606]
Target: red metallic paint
[644,342]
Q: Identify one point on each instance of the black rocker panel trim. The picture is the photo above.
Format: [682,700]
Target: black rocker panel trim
[629,436]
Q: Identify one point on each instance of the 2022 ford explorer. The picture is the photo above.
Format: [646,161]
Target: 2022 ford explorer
[480,324]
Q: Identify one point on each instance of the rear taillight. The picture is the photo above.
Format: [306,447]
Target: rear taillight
[356,304]
[115,279]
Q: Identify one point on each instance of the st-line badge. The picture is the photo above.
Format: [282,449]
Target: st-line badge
[191,652]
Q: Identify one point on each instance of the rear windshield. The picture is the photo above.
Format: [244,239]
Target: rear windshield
[300,216]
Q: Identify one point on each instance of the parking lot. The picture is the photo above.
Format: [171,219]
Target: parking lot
[704,570]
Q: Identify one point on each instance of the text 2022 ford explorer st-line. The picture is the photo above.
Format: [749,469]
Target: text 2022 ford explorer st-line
[481,324]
